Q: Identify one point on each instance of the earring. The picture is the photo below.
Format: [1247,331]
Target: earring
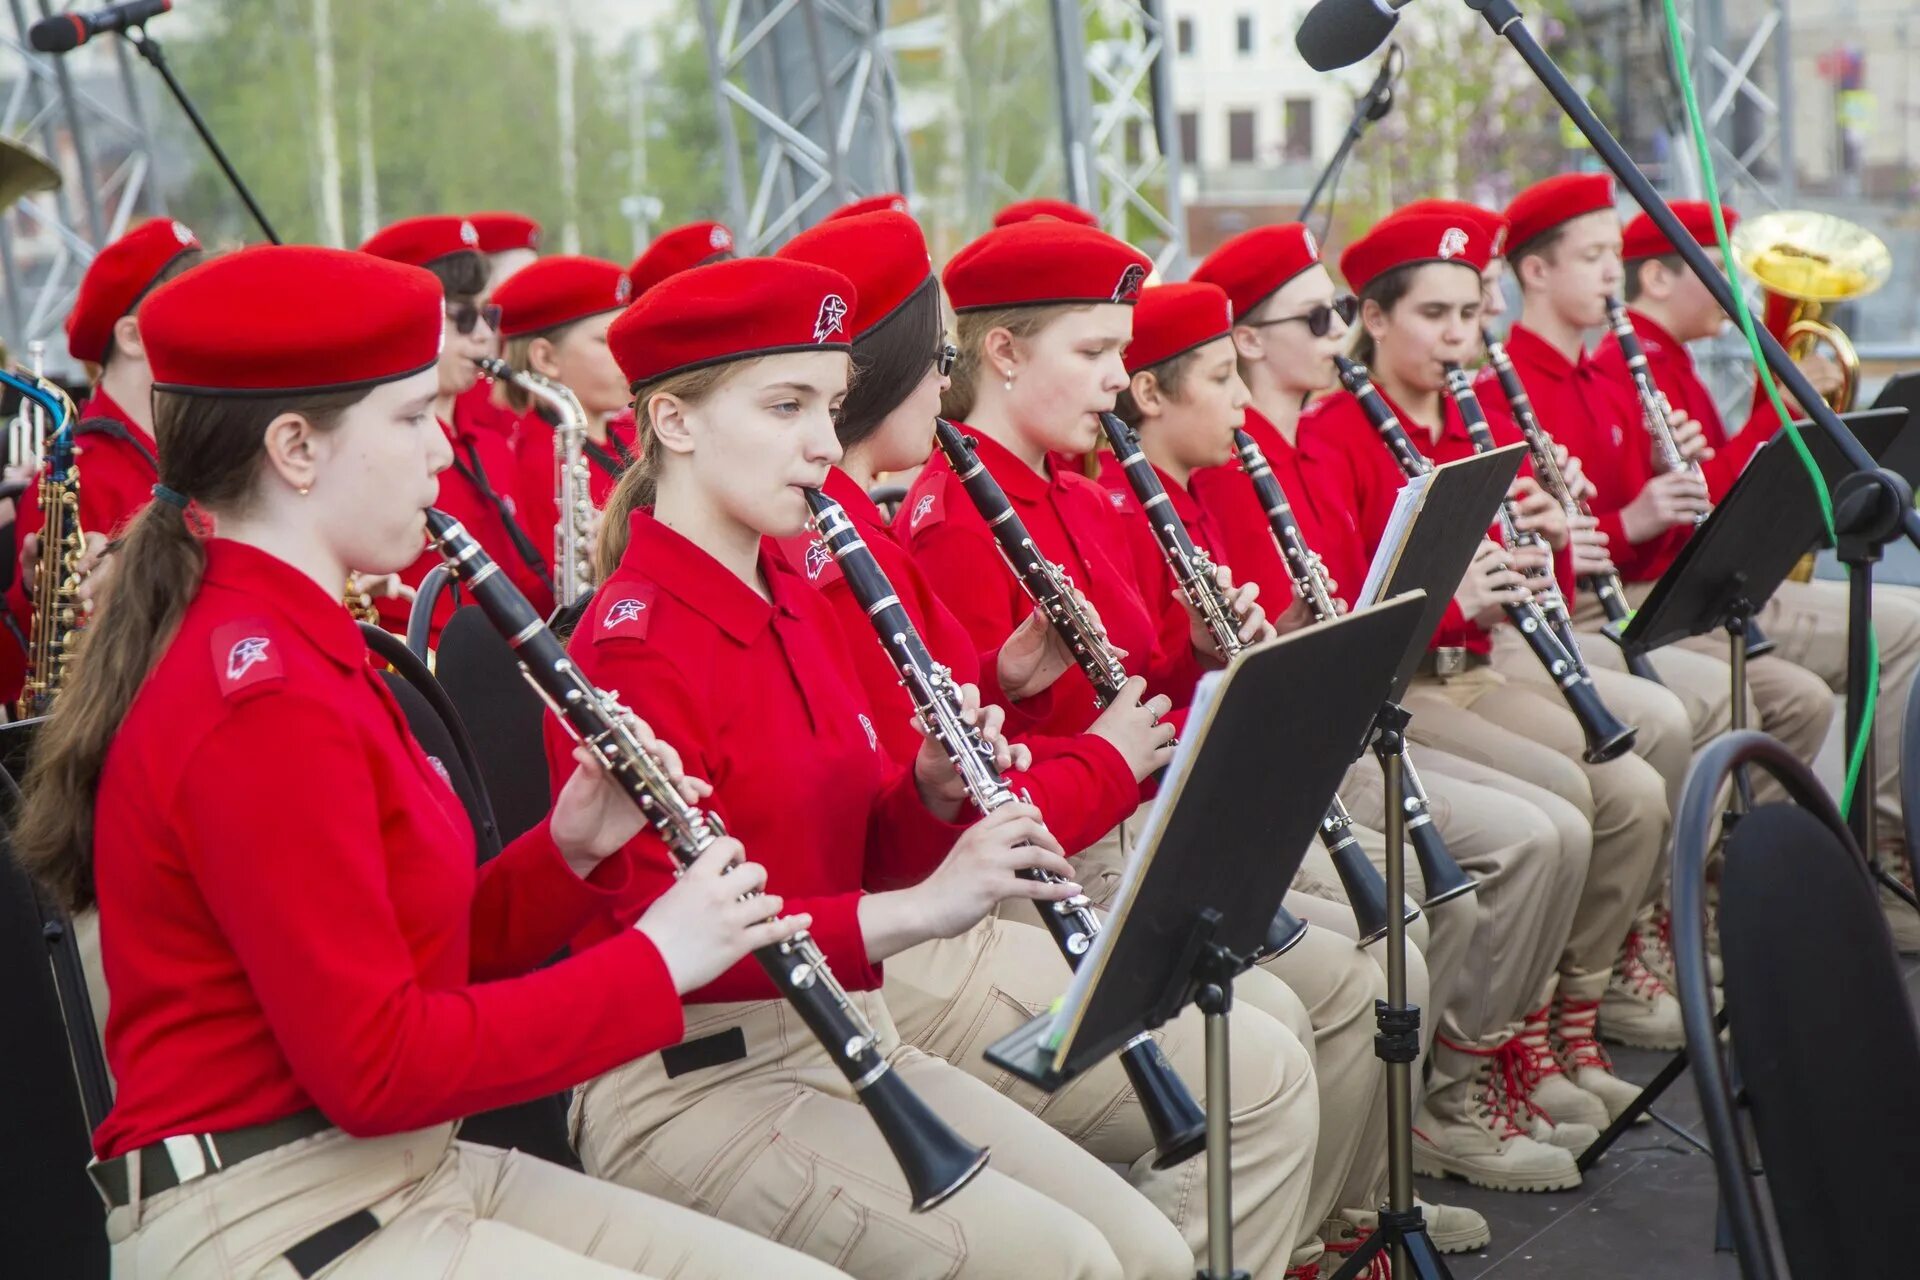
[305,489]
[1009,382]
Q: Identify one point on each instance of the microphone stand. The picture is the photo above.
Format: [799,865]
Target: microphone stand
[149,48]
[1872,506]
[1373,105]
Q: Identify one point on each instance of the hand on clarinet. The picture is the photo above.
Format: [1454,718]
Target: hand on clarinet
[941,787]
[982,870]
[1669,499]
[1574,472]
[1689,437]
[1242,603]
[1537,511]
[593,817]
[1137,729]
[1590,554]
[1036,654]
[1490,586]
[706,923]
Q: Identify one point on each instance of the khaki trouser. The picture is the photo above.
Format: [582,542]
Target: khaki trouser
[1528,850]
[447,1210]
[1334,980]
[954,997]
[776,1142]
[1504,724]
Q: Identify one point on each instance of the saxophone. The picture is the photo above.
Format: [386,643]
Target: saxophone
[55,630]
[573,495]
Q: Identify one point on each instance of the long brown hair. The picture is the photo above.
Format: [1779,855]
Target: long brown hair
[210,450]
[639,482]
[970,329]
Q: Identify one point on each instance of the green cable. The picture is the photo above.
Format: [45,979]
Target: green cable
[1856,757]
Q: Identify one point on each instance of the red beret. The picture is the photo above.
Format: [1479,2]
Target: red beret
[118,278]
[676,250]
[1409,239]
[732,311]
[1027,210]
[419,241]
[1642,239]
[225,327]
[1545,205]
[1253,265]
[1494,223]
[884,254]
[556,291]
[1044,261]
[1173,319]
[501,232]
[885,202]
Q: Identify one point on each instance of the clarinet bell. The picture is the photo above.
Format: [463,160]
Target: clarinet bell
[1608,738]
[935,1160]
[1445,880]
[1283,935]
[1177,1122]
[1366,892]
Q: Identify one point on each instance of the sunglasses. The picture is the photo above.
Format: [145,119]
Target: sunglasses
[943,357]
[1319,318]
[467,315]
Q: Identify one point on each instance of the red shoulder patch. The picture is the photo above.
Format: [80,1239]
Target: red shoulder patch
[623,611]
[923,509]
[810,558]
[246,656]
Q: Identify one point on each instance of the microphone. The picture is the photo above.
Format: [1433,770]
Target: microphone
[1338,33]
[65,31]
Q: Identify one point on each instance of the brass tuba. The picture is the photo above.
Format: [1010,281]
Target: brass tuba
[1806,261]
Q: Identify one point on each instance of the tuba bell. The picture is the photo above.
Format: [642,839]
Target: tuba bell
[1806,261]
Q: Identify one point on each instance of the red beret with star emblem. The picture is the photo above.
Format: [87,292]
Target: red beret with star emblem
[1028,210]
[116,281]
[1253,265]
[885,202]
[1172,319]
[554,291]
[1492,221]
[690,245]
[1044,262]
[224,328]
[728,311]
[1546,205]
[419,241]
[503,232]
[1412,239]
[884,254]
[1643,239]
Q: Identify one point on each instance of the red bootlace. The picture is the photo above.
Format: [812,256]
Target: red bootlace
[1518,1076]
[1496,1096]
[1580,1046]
[1305,1271]
[1379,1267]
[1637,972]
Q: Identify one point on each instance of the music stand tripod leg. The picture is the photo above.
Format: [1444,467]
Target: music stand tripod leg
[1403,1229]
[1215,999]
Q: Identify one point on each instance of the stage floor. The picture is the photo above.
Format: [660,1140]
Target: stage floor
[1646,1211]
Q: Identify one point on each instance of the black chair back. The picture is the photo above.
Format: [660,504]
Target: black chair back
[1820,1018]
[504,717]
[426,599]
[54,1224]
[888,498]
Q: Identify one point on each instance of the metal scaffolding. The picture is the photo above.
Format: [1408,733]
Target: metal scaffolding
[812,82]
[105,156]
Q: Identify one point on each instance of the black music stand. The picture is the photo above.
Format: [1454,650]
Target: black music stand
[1212,867]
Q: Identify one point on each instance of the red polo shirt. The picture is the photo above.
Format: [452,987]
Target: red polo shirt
[1595,415]
[1080,783]
[276,942]
[760,697]
[1073,522]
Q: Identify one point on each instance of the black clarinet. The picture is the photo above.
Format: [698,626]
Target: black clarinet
[1654,409]
[1193,573]
[1546,591]
[1444,877]
[935,1160]
[1606,587]
[1178,1124]
[1606,736]
[1046,585]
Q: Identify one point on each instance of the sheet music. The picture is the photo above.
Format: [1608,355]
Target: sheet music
[1203,695]
[1406,505]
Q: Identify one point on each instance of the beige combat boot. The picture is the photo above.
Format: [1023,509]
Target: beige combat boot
[1466,1129]
[1585,1060]
[1637,1008]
